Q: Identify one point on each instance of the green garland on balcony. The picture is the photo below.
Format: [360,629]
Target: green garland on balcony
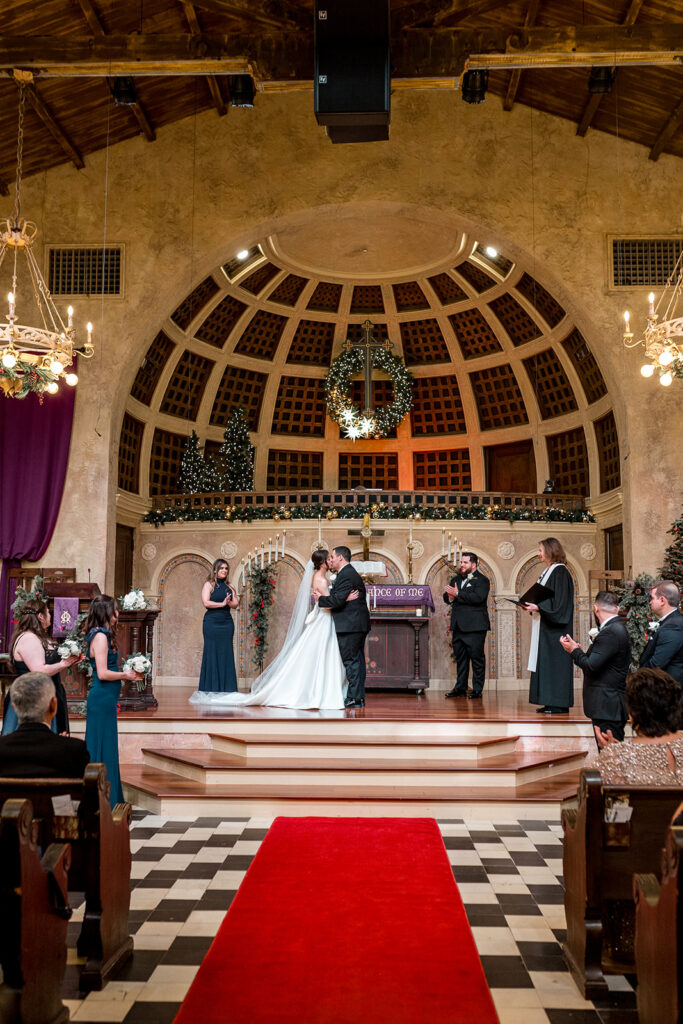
[254,513]
[260,587]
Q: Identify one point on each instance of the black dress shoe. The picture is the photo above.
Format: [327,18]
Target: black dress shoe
[474,696]
[351,703]
[543,711]
[456,693]
[556,711]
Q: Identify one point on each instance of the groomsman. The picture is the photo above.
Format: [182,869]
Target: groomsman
[605,666]
[467,593]
[665,648]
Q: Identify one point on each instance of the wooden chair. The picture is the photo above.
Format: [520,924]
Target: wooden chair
[58,575]
[599,860]
[659,943]
[100,865]
[34,912]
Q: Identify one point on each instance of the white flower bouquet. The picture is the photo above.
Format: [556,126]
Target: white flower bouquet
[68,648]
[139,663]
[133,601]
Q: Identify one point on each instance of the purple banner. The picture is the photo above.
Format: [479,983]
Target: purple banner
[399,594]
[64,615]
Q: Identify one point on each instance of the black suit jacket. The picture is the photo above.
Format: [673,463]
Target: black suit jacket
[33,751]
[348,616]
[665,649]
[469,612]
[605,666]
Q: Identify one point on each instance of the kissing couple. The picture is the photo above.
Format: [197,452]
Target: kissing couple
[322,646]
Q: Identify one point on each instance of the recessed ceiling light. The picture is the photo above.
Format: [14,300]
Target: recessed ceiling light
[490,251]
[242,254]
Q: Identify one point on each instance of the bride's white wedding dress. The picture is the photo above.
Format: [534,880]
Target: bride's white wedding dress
[307,673]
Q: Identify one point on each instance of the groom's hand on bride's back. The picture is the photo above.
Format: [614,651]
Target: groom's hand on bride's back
[353,596]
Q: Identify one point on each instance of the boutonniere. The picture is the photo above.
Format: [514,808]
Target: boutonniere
[652,627]
[332,578]
[592,633]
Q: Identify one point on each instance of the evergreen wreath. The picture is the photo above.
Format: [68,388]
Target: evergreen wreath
[344,412]
[261,586]
[634,598]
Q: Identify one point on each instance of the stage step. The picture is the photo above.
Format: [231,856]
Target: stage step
[216,767]
[168,794]
[304,747]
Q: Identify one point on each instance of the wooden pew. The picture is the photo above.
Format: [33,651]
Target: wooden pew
[34,913]
[599,860]
[659,942]
[100,867]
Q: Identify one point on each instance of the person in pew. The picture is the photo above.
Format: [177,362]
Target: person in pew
[665,647]
[654,756]
[32,650]
[101,731]
[605,667]
[33,750]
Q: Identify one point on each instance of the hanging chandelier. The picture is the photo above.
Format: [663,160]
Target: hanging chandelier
[662,339]
[32,358]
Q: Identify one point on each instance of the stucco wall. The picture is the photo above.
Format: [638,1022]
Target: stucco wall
[208,186]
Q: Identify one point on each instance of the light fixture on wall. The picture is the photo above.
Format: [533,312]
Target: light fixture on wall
[473,85]
[662,339]
[32,358]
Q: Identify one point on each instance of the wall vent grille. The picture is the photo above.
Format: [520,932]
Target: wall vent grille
[644,262]
[85,271]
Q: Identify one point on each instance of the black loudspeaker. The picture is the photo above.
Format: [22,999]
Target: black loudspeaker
[352,70]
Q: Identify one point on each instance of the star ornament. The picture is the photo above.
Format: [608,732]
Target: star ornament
[352,432]
[367,426]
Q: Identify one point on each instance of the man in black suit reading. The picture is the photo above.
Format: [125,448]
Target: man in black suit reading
[605,666]
[351,622]
[468,593]
[33,751]
[665,648]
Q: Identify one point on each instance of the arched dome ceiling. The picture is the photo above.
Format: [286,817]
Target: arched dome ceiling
[506,393]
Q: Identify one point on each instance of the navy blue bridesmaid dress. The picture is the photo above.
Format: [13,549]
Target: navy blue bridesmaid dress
[218,661]
[101,730]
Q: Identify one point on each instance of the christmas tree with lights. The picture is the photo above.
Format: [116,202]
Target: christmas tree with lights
[673,556]
[236,454]
[191,478]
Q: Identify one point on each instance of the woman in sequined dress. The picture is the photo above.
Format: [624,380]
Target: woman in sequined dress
[654,756]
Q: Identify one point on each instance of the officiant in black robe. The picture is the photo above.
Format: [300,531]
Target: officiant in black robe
[552,670]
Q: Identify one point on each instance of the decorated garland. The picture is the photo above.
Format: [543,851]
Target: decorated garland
[343,411]
[381,510]
[17,381]
[261,586]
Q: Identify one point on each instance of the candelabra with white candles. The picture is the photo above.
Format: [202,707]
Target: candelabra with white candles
[266,554]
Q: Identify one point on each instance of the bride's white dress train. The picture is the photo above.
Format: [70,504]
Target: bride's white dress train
[308,673]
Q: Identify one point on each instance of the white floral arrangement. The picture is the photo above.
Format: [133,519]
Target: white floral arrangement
[69,648]
[133,601]
[139,663]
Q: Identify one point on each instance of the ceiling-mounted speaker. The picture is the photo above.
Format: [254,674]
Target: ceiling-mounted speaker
[352,70]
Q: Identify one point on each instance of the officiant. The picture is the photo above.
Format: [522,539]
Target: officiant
[552,670]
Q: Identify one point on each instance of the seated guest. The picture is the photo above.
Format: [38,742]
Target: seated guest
[654,756]
[32,650]
[605,666]
[33,750]
[665,648]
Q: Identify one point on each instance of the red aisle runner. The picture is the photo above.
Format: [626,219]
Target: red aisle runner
[342,920]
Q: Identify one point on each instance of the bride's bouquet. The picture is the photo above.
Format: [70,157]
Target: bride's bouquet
[133,601]
[139,663]
[69,648]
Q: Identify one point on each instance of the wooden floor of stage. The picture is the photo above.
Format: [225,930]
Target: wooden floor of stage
[381,705]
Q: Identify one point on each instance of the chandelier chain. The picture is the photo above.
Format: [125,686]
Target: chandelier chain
[20,152]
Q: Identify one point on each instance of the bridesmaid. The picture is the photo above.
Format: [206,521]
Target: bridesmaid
[31,650]
[218,662]
[101,733]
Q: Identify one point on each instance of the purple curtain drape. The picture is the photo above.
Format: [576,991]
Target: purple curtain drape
[34,452]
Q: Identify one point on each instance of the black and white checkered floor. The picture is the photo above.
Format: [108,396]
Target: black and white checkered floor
[186,872]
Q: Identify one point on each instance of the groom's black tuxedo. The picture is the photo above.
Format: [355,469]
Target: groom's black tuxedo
[352,623]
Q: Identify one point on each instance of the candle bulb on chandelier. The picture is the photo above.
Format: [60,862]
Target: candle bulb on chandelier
[10,299]
[70,314]
[651,300]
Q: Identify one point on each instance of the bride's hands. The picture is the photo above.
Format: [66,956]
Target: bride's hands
[353,596]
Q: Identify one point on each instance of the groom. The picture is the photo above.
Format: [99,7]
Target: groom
[351,621]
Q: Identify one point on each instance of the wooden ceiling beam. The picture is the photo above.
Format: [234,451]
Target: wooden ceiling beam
[288,56]
[666,132]
[459,12]
[54,128]
[594,101]
[138,111]
[516,75]
[271,13]
[214,88]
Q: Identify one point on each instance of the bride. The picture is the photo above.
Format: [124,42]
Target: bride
[308,672]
